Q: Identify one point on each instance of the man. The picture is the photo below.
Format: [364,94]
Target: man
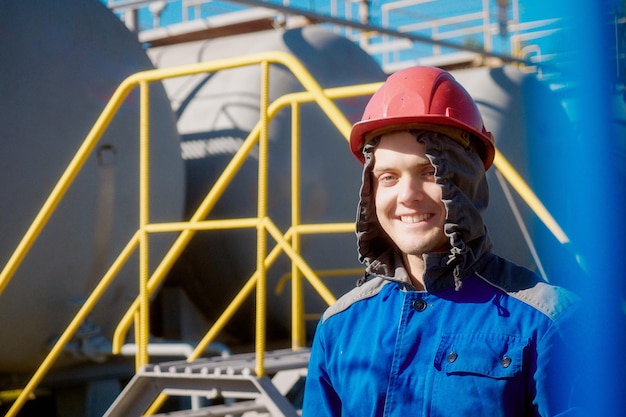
[439,325]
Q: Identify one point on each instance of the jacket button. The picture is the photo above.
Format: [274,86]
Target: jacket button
[506,362]
[419,305]
[452,356]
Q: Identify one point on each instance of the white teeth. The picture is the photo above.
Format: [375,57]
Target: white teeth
[414,219]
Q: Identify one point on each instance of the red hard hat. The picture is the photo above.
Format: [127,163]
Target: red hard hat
[427,98]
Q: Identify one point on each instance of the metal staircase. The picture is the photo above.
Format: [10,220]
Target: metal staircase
[231,379]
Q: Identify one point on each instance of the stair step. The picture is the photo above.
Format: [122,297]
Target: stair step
[236,408]
[231,377]
[242,364]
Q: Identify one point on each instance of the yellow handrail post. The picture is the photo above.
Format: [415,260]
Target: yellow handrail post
[261,289]
[144,220]
[297,300]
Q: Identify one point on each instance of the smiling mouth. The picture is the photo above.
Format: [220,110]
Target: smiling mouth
[415,219]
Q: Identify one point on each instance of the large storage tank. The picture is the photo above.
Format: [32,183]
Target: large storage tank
[61,62]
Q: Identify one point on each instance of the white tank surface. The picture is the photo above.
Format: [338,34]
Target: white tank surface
[215,113]
[61,62]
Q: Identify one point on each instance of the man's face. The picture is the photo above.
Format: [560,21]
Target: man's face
[408,201]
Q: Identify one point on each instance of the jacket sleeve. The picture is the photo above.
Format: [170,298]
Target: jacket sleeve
[320,397]
[558,377]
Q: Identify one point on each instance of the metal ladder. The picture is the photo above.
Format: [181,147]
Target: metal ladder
[231,378]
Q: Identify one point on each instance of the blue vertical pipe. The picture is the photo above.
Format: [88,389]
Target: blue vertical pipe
[595,192]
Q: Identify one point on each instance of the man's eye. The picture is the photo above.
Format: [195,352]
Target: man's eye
[386,178]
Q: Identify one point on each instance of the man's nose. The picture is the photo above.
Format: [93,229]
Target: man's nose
[412,189]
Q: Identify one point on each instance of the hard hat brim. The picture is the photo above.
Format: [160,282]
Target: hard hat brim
[368,129]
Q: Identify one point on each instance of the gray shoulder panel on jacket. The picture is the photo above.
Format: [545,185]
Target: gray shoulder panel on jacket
[369,289]
[526,286]
[549,299]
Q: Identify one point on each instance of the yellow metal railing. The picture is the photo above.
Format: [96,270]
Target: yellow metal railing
[148,283]
[287,243]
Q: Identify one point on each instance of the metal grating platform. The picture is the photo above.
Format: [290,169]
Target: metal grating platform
[232,378]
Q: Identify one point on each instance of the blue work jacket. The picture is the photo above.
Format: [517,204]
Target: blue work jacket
[486,350]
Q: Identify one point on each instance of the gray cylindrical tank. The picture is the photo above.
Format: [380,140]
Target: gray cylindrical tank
[61,62]
[215,114]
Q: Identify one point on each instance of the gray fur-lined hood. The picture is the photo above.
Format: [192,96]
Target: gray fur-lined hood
[465,193]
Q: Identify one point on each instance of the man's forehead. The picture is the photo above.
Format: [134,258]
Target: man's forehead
[399,147]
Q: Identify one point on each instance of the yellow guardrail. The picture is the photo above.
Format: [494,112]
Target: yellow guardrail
[148,283]
[288,242]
